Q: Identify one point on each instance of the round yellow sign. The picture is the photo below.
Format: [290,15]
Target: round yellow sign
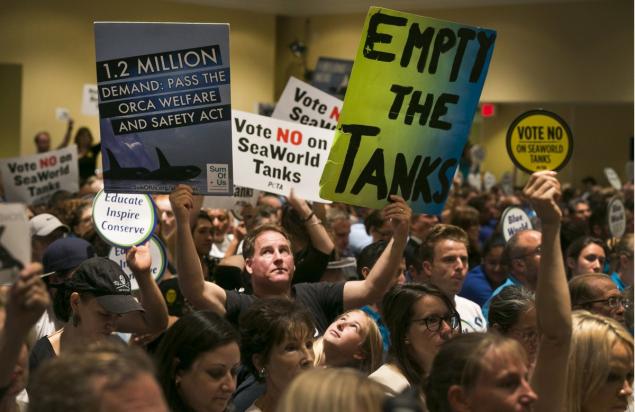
[539,140]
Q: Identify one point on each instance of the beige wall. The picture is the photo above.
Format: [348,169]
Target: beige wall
[575,58]
[53,41]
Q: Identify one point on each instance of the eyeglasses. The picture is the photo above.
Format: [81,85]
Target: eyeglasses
[434,323]
[613,301]
[535,252]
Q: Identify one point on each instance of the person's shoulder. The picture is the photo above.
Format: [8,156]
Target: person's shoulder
[464,302]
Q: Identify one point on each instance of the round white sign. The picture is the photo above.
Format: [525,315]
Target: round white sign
[157,252]
[514,220]
[613,178]
[122,219]
[617,217]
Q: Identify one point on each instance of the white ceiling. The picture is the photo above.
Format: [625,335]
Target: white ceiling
[321,7]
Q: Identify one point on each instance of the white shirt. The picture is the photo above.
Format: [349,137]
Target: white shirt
[472,319]
[390,377]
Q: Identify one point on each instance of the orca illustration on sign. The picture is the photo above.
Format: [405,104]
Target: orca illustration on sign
[169,172]
[116,172]
[165,171]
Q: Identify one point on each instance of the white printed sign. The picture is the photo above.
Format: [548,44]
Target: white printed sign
[275,155]
[514,220]
[302,103]
[613,178]
[122,219]
[62,114]
[33,179]
[507,183]
[15,243]
[489,181]
[90,100]
[157,253]
[617,217]
[242,196]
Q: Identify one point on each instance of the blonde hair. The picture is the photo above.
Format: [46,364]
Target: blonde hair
[333,390]
[371,346]
[593,339]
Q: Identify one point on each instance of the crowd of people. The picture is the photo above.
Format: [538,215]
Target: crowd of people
[291,306]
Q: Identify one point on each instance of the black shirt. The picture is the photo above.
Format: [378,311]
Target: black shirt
[325,301]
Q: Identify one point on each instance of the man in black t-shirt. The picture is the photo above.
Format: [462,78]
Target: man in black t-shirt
[269,261]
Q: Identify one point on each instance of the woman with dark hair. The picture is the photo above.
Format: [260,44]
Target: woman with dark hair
[420,318]
[585,255]
[277,345]
[513,314]
[86,153]
[197,362]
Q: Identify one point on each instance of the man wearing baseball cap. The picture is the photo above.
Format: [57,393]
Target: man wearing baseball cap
[45,229]
[97,300]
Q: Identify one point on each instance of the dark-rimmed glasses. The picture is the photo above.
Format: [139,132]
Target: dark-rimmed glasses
[434,323]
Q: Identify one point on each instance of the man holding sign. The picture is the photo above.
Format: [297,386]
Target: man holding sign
[269,261]
[413,92]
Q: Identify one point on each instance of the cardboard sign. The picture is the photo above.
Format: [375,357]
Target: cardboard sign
[275,155]
[507,183]
[62,114]
[332,75]
[90,100]
[157,252]
[408,110]
[241,197]
[123,220]
[616,217]
[514,220]
[15,242]
[474,180]
[539,140]
[613,178]
[302,103]
[33,179]
[164,107]
[489,181]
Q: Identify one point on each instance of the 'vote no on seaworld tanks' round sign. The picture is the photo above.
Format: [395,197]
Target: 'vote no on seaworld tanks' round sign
[539,140]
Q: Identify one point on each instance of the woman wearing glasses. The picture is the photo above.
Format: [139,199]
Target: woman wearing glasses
[420,318]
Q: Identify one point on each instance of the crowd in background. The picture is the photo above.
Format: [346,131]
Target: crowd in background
[291,306]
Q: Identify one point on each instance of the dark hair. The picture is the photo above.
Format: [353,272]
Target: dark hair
[506,307]
[464,217]
[375,219]
[460,362]
[249,243]
[397,314]
[191,336]
[438,233]
[292,223]
[202,215]
[81,131]
[369,255]
[267,323]
[575,248]
[62,301]
[495,240]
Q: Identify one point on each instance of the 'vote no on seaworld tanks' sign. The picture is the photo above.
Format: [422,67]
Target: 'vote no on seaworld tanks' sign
[408,110]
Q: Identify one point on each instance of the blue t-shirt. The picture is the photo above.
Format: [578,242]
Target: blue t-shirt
[476,286]
[615,277]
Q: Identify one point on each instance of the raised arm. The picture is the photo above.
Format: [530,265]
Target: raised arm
[155,317]
[27,301]
[67,135]
[553,304]
[320,239]
[201,294]
[382,275]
